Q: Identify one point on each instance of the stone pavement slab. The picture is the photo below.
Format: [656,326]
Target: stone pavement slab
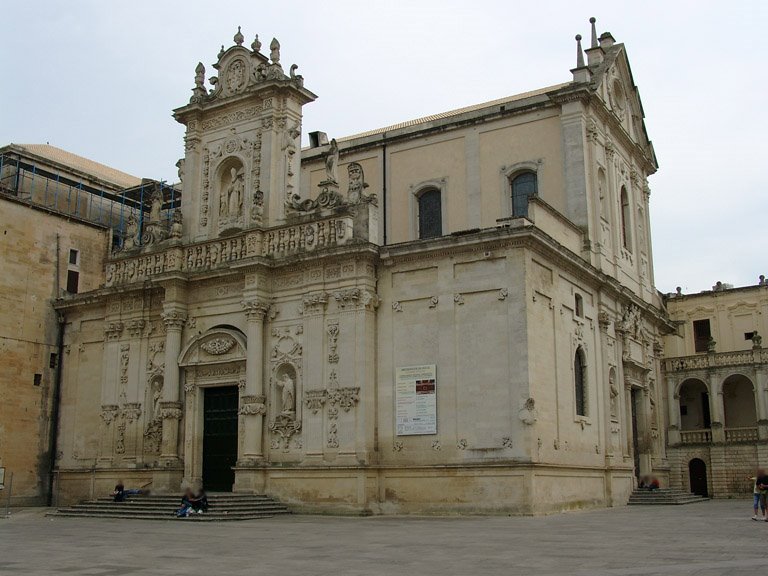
[706,539]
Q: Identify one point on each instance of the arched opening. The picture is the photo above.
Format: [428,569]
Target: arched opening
[523,186]
[694,406]
[626,231]
[430,213]
[697,476]
[580,381]
[739,402]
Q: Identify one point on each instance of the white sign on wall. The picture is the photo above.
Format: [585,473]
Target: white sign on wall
[416,400]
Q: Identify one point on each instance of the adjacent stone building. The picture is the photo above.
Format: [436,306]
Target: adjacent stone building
[716,373]
[456,313]
[55,225]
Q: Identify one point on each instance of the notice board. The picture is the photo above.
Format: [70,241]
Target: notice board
[416,400]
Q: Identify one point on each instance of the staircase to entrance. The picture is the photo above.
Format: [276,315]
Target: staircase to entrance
[664,496]
[222,506]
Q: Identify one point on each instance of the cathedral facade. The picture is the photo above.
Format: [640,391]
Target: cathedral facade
[456,313]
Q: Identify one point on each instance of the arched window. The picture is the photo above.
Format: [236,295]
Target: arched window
[626,232]
[580,381]
[579,305]
[523,187]
[430,208]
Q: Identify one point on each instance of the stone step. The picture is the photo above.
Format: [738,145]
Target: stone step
[166,517]
[120,509]
[664,497]
[162,507]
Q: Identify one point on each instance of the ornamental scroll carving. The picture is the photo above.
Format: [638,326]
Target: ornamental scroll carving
[218,346]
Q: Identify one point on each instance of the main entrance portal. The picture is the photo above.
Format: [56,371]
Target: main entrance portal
[219,438]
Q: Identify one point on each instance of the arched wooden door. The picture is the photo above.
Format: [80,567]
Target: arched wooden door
[697,473]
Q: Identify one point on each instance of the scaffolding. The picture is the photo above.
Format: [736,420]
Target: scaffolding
[67,193]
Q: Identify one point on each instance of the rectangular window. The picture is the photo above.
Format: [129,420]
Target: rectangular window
[38,379]
[52,360]
[74,257]
[748,335]
[73,279]
[701,335]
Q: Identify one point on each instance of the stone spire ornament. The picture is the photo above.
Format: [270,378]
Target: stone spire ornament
[199,75]
[239,38]
[594,43]
[256,45]
[221,52]
[579,52]
[274,53]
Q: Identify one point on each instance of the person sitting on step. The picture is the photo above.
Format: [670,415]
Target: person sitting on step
[120,493]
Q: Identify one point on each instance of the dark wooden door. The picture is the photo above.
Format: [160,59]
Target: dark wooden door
[219,438]
[697,473]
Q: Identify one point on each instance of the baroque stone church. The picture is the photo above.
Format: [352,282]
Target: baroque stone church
[455,313]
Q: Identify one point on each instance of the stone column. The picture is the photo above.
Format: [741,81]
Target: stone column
[761,378]
[673,407]
[170,407]
[109,406]
[716,408]
[252,405]
[644,430]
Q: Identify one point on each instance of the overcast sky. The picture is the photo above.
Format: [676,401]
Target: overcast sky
[100,79]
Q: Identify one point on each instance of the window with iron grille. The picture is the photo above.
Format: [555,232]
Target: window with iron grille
[523,187]
[580,382]
[430,207]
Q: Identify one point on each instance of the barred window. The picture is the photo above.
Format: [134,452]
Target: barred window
[430,207]
[580,381]
[626,233]
[523,187]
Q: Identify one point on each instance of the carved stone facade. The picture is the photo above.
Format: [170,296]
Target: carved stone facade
[291,283]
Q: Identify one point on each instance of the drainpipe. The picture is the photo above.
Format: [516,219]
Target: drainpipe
[384,187]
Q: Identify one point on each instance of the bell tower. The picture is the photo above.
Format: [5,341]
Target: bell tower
[243,142]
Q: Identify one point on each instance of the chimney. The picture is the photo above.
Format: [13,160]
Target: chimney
[594,52]
[317,139]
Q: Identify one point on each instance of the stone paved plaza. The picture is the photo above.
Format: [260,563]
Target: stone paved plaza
[706,539]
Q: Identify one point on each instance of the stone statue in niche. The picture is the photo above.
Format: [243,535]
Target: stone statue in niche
[614,391]
[287,388]
[332,163]
[231,202]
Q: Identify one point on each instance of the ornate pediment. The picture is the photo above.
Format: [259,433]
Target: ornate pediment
[214,347]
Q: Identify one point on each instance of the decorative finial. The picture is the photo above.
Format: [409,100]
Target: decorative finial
[239,38]
[594,32]
[221,52]
[274,48]
[579,53]
[256,45]
[199,75]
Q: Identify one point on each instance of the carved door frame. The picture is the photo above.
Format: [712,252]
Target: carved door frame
[205,364]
